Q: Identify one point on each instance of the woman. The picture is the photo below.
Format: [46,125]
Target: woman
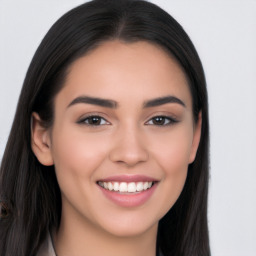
[109,145]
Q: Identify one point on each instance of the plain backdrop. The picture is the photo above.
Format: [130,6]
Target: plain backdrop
[224,33]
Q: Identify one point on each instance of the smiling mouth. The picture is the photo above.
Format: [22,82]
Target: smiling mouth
[126,187]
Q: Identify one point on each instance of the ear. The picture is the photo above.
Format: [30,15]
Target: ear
[40,141]
[196,138]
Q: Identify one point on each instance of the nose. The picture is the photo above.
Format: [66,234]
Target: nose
[129,147]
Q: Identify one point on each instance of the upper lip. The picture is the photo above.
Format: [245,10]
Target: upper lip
[128,178]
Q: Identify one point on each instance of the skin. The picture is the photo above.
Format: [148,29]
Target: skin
[126,141]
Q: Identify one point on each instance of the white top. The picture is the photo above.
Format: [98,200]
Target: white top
[46,248]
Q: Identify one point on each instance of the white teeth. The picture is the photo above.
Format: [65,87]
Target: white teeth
[116,186]
[110,186]
[140,186]
[132,187]
[145,185]
[125,187]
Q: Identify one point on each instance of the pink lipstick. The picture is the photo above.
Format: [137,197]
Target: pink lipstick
[128,190]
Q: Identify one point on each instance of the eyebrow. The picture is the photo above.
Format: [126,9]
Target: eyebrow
[163,100]
[113,104]
[94,101]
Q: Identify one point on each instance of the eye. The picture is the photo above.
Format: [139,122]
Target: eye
[94,121]
[161,121]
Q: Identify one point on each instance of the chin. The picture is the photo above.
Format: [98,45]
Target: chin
[130,225]
[131,231]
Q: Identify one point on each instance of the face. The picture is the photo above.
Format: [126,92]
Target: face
[123,137]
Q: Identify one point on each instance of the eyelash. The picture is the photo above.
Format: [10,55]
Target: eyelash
[167,120]
[87,119]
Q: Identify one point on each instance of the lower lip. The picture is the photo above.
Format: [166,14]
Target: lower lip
[129,200]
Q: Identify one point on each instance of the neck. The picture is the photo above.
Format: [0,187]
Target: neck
[84,238]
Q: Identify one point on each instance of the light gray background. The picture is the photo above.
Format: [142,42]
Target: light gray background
[224,32]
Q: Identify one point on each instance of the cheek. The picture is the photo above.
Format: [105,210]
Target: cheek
[172,150]
[77,153]
[77,156]
[174,164]
[171,154]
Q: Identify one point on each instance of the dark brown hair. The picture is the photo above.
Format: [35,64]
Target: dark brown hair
[29,192]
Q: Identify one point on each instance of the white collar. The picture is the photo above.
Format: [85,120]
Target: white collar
[46,249]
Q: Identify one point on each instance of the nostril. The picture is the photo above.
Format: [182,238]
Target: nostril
[127,156]
[129,146]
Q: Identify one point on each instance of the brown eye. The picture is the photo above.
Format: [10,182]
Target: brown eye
[94,121]
[161,121]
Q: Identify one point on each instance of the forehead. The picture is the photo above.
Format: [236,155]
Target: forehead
[125,71]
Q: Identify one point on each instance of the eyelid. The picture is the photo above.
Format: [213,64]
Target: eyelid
[172,120]
[82,119]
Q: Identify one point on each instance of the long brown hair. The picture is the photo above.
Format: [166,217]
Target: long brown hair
[29,192]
